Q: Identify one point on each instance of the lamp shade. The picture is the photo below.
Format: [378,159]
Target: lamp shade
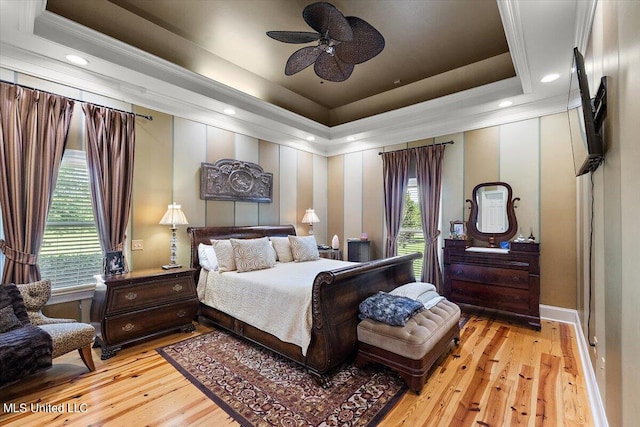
[310,217]
[174,216]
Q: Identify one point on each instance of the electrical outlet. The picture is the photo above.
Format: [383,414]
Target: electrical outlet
[137,245]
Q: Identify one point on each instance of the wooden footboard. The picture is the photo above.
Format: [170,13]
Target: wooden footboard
[336,297]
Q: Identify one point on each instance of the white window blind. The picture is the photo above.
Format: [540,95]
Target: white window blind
[71,253]
[411,236]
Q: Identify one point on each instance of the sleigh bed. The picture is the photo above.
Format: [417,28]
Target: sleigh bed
[335,296]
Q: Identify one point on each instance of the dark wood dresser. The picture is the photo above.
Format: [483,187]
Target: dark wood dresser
[142,304]
[505,282]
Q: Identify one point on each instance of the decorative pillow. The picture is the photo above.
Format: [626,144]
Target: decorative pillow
[304,248]
[253,254]
[207,257]
[413,290]
[224,255]
[283,248]
[390,309]
[8,319]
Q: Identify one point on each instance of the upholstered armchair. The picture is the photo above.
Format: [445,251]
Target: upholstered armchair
[24,348]
[67,334]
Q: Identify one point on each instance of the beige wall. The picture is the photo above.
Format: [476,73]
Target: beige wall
[614,50]
[533,156]
[169,153]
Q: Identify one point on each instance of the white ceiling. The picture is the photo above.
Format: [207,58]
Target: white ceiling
[540,36]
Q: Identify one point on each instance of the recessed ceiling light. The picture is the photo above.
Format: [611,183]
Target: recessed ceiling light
[550,77]
[229,111]
[78,60]
[350,138]
[310,138]
[505,104]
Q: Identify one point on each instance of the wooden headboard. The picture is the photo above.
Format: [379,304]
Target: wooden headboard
[205,234]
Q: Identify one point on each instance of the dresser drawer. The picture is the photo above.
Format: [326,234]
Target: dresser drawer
[489,275]
[498,298]
[162,290]
[126,327]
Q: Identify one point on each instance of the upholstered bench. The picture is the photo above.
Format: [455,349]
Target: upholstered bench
[412,349]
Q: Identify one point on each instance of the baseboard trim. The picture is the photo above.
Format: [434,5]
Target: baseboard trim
[565,315]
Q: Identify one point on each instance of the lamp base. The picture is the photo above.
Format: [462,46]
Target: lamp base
[170,266]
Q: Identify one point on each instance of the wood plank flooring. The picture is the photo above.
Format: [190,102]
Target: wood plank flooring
[501,374]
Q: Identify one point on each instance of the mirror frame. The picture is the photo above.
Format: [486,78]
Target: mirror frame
[492,238]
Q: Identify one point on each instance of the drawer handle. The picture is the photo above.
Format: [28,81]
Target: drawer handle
[515,279]
[177,287]
[181,313]
[128,327]
[131,296]
[458,272]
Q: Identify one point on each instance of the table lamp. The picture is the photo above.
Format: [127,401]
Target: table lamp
[173,217]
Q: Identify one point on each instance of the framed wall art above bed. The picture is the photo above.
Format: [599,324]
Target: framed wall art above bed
[236,180]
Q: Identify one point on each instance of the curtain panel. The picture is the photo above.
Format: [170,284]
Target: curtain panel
[33,134]
[395,170]
[429,163]
[110,155]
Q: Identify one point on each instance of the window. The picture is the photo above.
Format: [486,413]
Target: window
[71,253]
[410,237]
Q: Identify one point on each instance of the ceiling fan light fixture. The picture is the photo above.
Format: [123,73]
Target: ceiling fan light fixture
[342,43]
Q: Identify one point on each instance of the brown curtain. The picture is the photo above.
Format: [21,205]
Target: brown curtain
[395,170]
[429,162]
[110,152]
[33,134]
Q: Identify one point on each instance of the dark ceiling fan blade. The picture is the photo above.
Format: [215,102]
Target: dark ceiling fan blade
[324,17]
[330,67]
[367,42]
[293,36]
[301,59]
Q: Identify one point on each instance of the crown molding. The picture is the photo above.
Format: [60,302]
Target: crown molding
[512,23]
[585,12]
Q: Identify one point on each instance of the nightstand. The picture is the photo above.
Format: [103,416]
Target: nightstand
[330,253]
[142,304]
[358,250]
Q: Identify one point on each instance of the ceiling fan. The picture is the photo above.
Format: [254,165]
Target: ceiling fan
[343,42]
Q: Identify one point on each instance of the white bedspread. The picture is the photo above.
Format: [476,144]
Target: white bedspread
[276,300]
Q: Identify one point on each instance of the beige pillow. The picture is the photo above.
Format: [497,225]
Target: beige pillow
[283,248]
[224,254]
[253,254]
[304,248]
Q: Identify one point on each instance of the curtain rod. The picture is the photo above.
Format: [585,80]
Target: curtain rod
[150,118]
[430,145]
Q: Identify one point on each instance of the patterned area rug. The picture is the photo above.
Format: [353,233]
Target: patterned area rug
[258,387]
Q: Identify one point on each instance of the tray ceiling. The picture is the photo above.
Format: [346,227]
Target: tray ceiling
[433,48]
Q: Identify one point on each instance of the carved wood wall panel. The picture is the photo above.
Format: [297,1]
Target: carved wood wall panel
[229,179]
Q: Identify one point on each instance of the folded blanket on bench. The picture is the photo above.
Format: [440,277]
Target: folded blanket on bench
[390,309]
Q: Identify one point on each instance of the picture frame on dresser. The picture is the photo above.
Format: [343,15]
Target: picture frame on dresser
[458,229]
[114,263]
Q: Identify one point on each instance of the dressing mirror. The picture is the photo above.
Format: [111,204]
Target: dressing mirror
[492,218]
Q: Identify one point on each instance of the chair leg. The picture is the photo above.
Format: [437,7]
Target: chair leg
[87,357]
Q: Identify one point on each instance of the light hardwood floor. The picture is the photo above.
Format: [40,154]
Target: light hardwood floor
[500,375]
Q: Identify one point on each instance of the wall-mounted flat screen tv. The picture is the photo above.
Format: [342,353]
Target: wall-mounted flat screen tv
[585,118]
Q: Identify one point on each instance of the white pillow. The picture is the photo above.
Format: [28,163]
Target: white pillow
[207,257]
[224,254]
[283,248]
[253,254]
[413,290]
[304,248]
